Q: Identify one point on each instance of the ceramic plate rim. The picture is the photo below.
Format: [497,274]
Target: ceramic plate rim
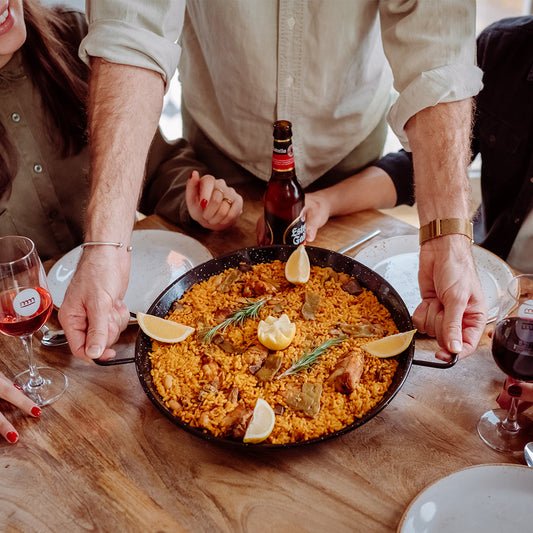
[409,244]
[142,236]
[457,473]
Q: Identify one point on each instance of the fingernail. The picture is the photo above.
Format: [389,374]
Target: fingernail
[203,203]
[456,347]
[191,174]
[17,386]
[94,352]
[515,391]
[12,437]
[35,411]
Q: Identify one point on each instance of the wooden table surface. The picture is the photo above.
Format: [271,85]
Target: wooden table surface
[102,458]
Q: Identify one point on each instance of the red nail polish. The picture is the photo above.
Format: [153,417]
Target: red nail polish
[203,203]
[17,386]
[12,437]
[191,174]
[36,411]
[515,391]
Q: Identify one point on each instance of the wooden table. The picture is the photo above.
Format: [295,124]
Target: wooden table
[102,458]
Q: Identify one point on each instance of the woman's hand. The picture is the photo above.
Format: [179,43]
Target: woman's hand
[211,202]
[317,213]
[14,395]
[520,390]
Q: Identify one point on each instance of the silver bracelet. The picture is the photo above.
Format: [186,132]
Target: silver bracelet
[100,243]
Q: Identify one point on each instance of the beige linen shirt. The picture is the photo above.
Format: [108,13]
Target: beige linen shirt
[320,64]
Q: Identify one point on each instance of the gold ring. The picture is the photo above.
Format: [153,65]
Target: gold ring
[230,202]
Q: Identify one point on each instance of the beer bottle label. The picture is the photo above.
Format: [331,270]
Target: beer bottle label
[292,234]
[283,158]
[295,233]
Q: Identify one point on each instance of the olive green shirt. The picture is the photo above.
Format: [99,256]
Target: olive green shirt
[46,199]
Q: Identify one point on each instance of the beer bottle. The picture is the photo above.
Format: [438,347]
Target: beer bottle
[284,197]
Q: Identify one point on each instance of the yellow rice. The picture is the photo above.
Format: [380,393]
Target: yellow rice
[177,368]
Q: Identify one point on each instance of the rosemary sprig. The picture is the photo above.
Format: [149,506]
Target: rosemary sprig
[310,358]
[238,317]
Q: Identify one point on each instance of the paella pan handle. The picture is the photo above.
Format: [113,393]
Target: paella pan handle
[433,364]
[123,361]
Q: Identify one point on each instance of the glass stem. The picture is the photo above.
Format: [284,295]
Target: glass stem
[510,423]
[35,378]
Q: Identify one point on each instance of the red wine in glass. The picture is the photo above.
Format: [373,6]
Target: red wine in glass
[512,347]
[25,305]
[15,325]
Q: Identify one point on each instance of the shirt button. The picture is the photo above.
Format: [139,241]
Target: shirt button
[517,221]
[290,81]
[492,139]
[37,168]
[15,117]
[291,22]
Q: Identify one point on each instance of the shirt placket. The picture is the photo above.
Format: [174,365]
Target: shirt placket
[290,55]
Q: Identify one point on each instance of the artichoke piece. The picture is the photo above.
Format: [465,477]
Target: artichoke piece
[229,280]
[307,399]
[311,305]
[270,367]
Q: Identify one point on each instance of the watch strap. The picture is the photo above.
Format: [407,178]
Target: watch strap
[447,226]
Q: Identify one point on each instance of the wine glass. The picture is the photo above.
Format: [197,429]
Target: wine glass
[25,305]
[512,349]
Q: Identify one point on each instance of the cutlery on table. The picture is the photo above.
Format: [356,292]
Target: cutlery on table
[360,241]
[528,454]
[53,337]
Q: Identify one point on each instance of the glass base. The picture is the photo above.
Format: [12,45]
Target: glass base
[54,384]
[492,433]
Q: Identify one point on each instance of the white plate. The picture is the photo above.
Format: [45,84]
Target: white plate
[158,258]
[485,499]
[396,260]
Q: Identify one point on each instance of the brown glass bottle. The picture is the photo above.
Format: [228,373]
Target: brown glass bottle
[284,197]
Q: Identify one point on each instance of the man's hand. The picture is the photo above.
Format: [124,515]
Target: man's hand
[93,313]
[453,308]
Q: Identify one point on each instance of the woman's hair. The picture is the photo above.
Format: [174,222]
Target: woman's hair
[52,61]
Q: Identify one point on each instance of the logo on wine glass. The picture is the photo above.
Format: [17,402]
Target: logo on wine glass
[27,302]
[526,310]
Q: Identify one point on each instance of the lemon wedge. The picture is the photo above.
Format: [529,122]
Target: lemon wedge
[276,333]
[298,268]
[161,329]
[391,345]
[261,424]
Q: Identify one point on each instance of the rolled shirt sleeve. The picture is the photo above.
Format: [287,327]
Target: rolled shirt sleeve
[136,33]
[430,45]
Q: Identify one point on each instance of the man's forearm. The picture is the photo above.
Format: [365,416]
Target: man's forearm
[124,109]
[439,137]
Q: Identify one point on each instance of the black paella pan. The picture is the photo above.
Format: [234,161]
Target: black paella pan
[386,294]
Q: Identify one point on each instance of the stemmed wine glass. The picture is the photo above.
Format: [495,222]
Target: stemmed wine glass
[512,349]
[25,305]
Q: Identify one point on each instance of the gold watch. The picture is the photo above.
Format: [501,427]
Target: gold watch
[447,226]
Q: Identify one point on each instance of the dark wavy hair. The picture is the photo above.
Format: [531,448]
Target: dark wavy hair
[61,77]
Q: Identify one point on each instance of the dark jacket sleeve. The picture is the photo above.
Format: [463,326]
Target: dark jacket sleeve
[399,166]
[168,168]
